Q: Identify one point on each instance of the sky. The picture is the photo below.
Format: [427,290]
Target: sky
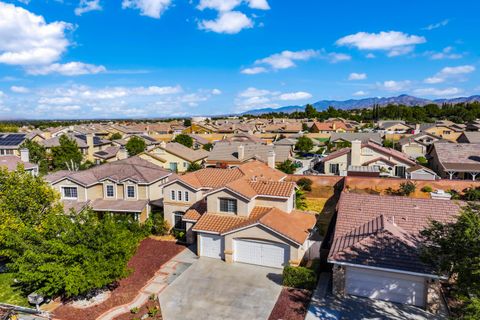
[84,59]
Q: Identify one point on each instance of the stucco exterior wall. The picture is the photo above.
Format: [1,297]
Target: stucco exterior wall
[282,204]
[81,191]
[213,203]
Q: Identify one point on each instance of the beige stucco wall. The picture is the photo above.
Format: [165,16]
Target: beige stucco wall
[182,164]
[65,182]
[170,206]
[343,162]
[282,204]
[414,149]
[244,207]
[444,132]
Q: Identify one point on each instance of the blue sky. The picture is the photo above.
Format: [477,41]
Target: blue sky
[159,58]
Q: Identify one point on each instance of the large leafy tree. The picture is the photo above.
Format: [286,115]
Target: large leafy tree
[59,254]
[454,248]
[38,154]
[66,155]
[287,166]
[310,111]
[184,139]
[304,144]
[135,146]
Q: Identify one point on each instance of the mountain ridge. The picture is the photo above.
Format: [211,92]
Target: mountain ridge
[403,99]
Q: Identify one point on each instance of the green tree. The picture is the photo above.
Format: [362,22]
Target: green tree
[454,249]
[59,254]
[287,166]
[37,154]
[194,166]
[305,184]
[304,144]
[300,201]
[116,136]
[67,155]
[310,111]
[422,160]
[184,139]
[135,146]
[207,146]
[187,122]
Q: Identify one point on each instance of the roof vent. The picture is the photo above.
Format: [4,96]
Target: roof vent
[440,195]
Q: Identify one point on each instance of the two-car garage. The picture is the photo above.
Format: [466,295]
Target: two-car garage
[389,286]
[251,251]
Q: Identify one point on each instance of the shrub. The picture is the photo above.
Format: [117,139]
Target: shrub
[427,189]
[134,310]
[422,160]
[179,235]
[305,184]
[299,277]
[407,188]
[472,194]
[152,312]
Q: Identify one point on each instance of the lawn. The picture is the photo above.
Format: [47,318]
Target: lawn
[9,294]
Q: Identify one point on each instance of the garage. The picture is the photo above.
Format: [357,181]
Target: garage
[264,253]
[211,246]
[389,286]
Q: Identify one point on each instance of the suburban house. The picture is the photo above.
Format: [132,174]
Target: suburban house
[331,127]
[418,172]
[175,156]
[10,143]
[11,162]
[198,141]
[243,214]
[347,137]
[387,161]
[375,248]
[231,154]
[445,129]
[469,137]
[417,145]
[149,141]
[88,144]
[131,186]
[395,126]
[455,160]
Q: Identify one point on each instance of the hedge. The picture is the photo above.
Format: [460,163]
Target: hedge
[299,277]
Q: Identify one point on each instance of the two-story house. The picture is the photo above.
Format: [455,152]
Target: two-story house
[244,214]
[386,161]
[131,186]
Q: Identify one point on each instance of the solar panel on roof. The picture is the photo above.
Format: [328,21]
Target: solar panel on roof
[12,139]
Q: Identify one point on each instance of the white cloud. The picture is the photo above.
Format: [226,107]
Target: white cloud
[219,5]
[440,24]
[216,92]
[286,59]
[299,95]
[394,42]
[26,39]
[229,22]
[370,56]
[392,85]
[438,92]
[446,53]
[360,93]
[149,8]
[450,72]
[86,6]
[67,69]
[258,4]
[19,89]
[155,90]
[254,92]
[254,70]
[334,57]
[357,76]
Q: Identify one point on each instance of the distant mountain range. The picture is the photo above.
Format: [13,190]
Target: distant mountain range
[366,103]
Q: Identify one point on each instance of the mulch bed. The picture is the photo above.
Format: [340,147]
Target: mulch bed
[150,256]
[142,311]
[292,304]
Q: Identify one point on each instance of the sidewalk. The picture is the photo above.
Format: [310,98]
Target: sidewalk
[164,276]
[318,299]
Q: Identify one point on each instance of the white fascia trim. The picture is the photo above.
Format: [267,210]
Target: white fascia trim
[208,232]
[261,224]
[418,274]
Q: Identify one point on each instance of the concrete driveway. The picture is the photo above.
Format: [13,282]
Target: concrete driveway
[212,289]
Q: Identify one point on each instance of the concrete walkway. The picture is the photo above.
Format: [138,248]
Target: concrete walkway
[163,277]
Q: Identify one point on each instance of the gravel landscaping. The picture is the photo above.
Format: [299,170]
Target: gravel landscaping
[150,256]
[292,304]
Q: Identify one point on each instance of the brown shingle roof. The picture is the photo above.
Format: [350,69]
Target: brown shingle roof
[384,231]
[228,152]
[185,153]
[118,205]
[459,156]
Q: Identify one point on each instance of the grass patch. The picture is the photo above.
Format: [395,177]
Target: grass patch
[9,294]
[315,204]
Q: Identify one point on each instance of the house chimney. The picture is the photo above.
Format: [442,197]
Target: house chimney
[356,153]
[241,152]
[271,159]
[122,153]
[24,155]
[90,146]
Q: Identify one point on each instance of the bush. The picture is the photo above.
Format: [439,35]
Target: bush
[407,188]
[153,311]
[134,310]
[305,184]
[427,189]
[422,160]
[299,277]
[179,235]
[472,194]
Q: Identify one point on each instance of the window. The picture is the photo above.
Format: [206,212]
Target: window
[446,131]
[400,171]
[179,195]
[5,152]
[172,195]
[130,191]
[70,192]
[110,191]
[178,223]
[334,168]
[187,196]
[185,164]
[228,205]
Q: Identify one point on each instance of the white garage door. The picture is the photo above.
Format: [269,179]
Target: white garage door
[211,246]
[385,286]
[270,254]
